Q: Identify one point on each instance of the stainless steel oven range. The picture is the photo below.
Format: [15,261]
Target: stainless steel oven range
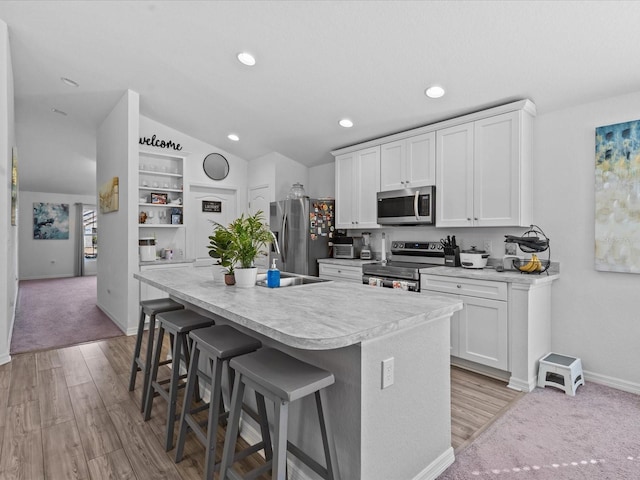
[402,270]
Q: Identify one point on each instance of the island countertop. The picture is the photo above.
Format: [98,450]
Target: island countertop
[319,316]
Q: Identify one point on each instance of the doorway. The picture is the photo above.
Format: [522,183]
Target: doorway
[90,239]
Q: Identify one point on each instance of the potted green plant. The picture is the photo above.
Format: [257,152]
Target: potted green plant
[221,248]
[249,236]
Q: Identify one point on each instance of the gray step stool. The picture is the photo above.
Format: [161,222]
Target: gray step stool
[148,308]
[217,345]
[178,324]
[282,379]
[561,371]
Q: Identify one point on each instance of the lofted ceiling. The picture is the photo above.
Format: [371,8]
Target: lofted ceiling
[317,62]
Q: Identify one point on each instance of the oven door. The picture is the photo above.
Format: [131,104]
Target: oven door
[387,282]
[411,206]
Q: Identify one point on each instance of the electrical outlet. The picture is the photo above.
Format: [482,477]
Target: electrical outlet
[387,372]
[487,246]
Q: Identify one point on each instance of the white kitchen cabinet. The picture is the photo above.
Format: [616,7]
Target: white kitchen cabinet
[407,163]
[483,172]
[345,273]
[357,182]
[479,332]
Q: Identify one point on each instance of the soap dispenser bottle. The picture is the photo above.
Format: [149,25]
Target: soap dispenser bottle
[273,276]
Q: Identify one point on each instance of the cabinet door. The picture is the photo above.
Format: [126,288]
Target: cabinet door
[340,272]
[366,186]
[454,176]
[393,173]
[345,178]
[421,160]
[497,171]
[483,332]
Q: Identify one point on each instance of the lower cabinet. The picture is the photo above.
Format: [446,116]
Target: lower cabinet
[347,273]
[479,332]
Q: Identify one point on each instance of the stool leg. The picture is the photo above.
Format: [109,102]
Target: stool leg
[192,379]
[232,427]
[136,353]
[327,436]
[147,362]
[173,390]
[264,426]
[148,403]
[279,464]
[212,427]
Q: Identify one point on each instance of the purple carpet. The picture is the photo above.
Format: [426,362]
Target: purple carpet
[58,312]
[549,435]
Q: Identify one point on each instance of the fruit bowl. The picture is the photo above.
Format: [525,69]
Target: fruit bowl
[531,265]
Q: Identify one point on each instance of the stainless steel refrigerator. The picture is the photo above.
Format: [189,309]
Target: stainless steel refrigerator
[304,228]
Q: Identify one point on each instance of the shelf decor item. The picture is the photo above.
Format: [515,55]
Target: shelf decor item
[159,198]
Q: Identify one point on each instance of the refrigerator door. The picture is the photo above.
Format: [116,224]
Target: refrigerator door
[295,236]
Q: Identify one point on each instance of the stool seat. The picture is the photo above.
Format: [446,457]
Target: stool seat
[183,321]
[159,305]
[223,341]
[281,374]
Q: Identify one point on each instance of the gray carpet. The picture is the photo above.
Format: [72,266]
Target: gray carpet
[549,435]
[58,312]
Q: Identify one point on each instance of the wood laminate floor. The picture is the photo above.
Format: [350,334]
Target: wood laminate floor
[67,414]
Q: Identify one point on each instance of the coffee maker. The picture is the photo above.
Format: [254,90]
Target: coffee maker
[365,251]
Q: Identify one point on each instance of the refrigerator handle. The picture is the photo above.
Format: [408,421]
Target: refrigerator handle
[285,242]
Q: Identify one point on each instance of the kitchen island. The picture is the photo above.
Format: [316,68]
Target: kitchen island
[401,432]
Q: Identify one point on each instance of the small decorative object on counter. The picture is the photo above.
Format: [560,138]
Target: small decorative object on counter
[296,191]
[535,242]
[273,276]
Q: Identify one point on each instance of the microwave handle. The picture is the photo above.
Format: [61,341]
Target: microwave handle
[415,205]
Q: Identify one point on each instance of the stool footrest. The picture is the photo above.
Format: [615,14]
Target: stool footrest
[311,463]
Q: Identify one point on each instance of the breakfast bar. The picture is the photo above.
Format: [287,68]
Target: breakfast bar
[401,431]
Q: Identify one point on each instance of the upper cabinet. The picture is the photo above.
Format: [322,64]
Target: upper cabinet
[483,170]
[357,182]
[410,162]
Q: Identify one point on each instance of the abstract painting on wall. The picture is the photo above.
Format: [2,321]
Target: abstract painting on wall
[51,221]
[108,196]
[617,195]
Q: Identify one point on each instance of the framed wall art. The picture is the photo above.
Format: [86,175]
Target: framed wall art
[14,186]
[617,198]
[108,196]
[51,221]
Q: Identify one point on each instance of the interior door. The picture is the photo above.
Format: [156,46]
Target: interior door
[208,205]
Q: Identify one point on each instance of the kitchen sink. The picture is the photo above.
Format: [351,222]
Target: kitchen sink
[290,279]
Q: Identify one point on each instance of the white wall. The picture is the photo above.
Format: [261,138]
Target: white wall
[8,233]
[322,181]
[47,258]
[117,156]
[595,315]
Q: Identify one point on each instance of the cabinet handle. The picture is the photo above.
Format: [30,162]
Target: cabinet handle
[468,219]
[459,286]
[475,218]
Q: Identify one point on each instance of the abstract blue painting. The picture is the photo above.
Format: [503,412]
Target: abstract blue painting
[51,221]
[617,192]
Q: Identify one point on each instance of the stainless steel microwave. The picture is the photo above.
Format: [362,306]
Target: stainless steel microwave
[409,206]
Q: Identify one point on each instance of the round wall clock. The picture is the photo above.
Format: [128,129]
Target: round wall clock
[215,166]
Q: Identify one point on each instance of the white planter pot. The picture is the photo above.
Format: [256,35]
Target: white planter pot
[218,273]
[246,277]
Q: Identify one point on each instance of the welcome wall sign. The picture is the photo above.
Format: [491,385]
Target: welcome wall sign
[154,142]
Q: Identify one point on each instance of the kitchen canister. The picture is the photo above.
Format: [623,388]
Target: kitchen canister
[147,247]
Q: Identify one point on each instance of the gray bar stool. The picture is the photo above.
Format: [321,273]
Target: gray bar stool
[178,324]
[149,308]
[283,379]
[217,345]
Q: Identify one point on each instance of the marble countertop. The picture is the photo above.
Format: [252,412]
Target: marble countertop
[319,316]
[489,273]
[352,262]
[162,261]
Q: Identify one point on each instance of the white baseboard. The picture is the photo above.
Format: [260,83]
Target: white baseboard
[439,465]
[126,331]
[48,277]
[612,382]
[5,358]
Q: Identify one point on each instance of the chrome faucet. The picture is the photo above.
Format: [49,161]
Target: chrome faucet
[275,242]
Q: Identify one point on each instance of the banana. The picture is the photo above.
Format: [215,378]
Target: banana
[530,265]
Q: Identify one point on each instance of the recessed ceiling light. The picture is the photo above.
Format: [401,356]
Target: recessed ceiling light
[346,123]
[59,112]
[434,91]
[246,59]
[233,136]
[68,81]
